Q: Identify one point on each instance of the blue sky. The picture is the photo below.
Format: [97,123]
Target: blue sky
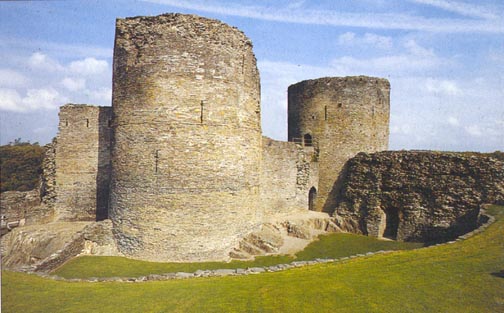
[444,59]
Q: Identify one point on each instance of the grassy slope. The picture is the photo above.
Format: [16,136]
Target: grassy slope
[450,278]
[330,246]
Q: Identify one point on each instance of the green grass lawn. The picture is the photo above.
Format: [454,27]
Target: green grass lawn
[328,246]
[460,277]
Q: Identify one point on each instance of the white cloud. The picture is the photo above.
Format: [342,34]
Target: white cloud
[52,83]
[474,130]
[296,4]
[350,39]
[41,61]
[461,8]
[415,58]
[74,84]
[9,100]
[88,66]
[35,99]
[102,95]
[453,121]
[443,87]
[45,98]
[337,18]
[415,49]
[10,78]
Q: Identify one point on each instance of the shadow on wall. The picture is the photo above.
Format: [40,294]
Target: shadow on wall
[104,166]
[333,197]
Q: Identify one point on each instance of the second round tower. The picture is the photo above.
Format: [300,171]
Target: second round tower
[340,117]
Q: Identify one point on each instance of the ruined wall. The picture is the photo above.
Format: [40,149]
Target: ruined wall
[48,177]
[288,174]
[18,205]
[82,163]
[418,196]
[187,145]
[343,116]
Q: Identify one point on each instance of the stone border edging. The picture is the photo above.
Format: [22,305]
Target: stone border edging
[251,270]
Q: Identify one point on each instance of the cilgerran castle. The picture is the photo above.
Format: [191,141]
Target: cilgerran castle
[179,163]
[178,170]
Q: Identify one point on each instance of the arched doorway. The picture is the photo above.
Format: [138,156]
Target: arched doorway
[307,139]
[312,195]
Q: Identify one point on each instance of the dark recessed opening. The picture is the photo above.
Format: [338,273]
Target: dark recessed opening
[391,224]
[312,195]
[307,139]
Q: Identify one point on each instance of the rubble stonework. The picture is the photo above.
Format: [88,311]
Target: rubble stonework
[82,163]
[289,172]
[418,196]
[48,177]
[186,158]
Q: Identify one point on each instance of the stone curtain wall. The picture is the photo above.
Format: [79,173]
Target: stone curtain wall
[82,163]
[288,174]
[48,177]
[418,196]
[344,116]
[187,146]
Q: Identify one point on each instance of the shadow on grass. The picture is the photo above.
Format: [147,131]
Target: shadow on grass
[498,274]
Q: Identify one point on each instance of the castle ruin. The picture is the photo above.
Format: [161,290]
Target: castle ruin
[179,163]
[178,170]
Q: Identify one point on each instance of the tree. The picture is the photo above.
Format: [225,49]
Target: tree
[20,165]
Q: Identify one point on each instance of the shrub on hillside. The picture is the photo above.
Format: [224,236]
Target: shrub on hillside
[21,165]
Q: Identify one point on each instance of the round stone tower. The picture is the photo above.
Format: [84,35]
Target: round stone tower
[340,117]
[187,138]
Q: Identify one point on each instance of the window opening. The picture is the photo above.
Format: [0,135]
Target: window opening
[87,122]
[156,159]
[201,112]
[325,112]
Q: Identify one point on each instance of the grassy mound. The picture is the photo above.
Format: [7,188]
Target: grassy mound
[461,277]
[328,246]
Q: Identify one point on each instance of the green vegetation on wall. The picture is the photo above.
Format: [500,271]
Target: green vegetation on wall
[21,165]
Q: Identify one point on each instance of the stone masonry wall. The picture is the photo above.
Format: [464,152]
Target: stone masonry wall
[82,163]
[343,116]
[48,177]
[187,138]
[418,196]
[288,174]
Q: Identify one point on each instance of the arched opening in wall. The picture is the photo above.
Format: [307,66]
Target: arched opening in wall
[389,224]
[307,139]
[312,195]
